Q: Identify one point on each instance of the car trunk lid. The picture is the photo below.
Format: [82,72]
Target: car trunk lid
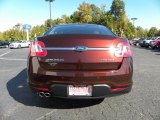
[79,52]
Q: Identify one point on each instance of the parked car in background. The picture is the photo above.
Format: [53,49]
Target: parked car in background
[4,44]
[20,44]
[138,42]
[133,42]
[79,61]
[158,46]
[147,41]
[155,43]
[1,44]
[141,42]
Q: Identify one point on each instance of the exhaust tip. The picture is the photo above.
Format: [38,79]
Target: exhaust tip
[41,94]
[47,94]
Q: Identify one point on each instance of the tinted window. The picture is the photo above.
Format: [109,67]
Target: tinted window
[80,29]
[153,38]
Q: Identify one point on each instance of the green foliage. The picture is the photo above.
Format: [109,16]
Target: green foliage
[107,20]
[96,13]
[1,36]
[37,31]
[117,8]
[158,33]
[85,13]
[152,32]
[76,18]
[13,34]
[120,21]
[65,19]
[140,32]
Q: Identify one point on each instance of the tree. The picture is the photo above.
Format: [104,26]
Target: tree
[129,32]
[1,36]
[66,19]
[152,32]
[6,35]
[96,13]
[88,13]
[50,10]
[117,8]
[76,17]
[103,7]
[37,31]
[85,11]
[158,33]
[106,20]
[48,23]
[140,32]
[120,21]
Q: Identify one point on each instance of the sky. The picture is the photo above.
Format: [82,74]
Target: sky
[35,12]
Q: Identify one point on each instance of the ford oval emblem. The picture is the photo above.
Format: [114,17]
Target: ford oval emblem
[80,48]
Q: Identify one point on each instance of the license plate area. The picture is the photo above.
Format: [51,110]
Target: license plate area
[79,90]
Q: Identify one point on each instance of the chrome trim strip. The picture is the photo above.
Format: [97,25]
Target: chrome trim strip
[59,48]
[99,48]
[103,85]
[74,48]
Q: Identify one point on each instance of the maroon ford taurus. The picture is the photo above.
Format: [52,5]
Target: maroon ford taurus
[80,61]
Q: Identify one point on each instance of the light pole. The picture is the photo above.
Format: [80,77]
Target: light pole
[50,11]
[134,19]
[27,28]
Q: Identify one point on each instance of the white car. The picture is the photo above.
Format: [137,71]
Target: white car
[148,40]
[19,44]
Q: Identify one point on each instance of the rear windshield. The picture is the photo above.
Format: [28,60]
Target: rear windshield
[80,29]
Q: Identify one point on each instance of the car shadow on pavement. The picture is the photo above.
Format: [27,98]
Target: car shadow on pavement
[19,90]
[156,51]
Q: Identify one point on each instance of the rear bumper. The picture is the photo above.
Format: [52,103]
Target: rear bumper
[98,91]
[147,44]
[152,45]
[142,44]
[13,46]
[121,78]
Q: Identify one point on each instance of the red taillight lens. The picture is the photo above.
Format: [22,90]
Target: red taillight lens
[117,89]
[123,50]
[36,49]
[155,42]
[42,89]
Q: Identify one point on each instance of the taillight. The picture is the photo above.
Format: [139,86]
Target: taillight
[36,49]
[42,88]
[117,89]
[155,42]
[123,50]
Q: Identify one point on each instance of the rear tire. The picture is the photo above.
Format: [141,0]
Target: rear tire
[19,46]
[153,48]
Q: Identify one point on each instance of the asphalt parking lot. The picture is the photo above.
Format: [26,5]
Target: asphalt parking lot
[18,103]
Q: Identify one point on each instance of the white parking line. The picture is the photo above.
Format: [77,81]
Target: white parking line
[47,114]
[5,53]
[13,59]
